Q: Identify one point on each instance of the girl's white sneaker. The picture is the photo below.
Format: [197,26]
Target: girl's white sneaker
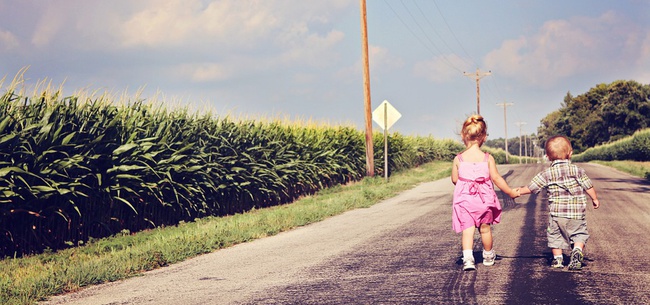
[468,264]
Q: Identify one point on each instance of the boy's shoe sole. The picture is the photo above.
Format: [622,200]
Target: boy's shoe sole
[576,259]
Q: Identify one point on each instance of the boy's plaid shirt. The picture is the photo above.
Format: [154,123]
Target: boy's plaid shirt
[566,185]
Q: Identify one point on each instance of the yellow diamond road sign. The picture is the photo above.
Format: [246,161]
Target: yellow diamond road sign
[386,115]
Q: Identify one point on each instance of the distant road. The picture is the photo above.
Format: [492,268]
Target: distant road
[403,251]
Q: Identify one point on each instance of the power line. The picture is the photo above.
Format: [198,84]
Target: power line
[452,32]
[449,63]
[426,18]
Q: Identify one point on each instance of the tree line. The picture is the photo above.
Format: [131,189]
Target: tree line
[606,113]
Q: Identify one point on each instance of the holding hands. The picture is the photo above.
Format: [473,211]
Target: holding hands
[518,191]
[514,193]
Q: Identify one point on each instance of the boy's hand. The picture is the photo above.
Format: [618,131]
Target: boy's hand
[596,203]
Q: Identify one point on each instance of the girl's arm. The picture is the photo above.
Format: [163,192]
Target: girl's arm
[499,181]
[454,171]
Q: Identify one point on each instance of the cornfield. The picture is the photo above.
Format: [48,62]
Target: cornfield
[81,167]
[635,147]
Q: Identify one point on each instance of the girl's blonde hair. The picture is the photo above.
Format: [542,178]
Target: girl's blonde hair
[474,129]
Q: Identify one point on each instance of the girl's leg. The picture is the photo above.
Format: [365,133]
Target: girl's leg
[486,236]
[467,240]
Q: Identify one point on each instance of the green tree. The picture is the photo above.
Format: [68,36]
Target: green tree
[605,113]
[626,108]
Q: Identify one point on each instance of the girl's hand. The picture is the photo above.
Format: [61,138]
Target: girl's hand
[514,193]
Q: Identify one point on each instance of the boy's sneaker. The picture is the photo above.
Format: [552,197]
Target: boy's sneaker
[468,264]
[576,259]
[489,257]
[557,263]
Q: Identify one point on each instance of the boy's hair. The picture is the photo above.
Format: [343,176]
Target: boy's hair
[474,129]
[558,148]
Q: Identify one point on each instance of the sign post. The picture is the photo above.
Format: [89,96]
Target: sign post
[385,115]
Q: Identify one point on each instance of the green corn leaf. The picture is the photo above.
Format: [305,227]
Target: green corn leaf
[68,138]
[126,168]
[124,149]
[126,202]
[4,123]
[128,177]
[43,188]
[8,170]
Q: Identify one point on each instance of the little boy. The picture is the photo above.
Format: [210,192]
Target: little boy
[566,185]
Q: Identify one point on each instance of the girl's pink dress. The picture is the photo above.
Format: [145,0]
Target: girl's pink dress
[475,201]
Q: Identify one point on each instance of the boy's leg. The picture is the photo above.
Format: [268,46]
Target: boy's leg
[556,240]
[558,259]
[579,235]
[576,259]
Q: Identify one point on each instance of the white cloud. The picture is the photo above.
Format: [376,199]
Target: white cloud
[48,26]
[311,48]
[380,61]
[196,40]
[245,37]
[163,24]
[380,58]
[8,41]
[565,48]
[226,23]
[182,22]
[204,72]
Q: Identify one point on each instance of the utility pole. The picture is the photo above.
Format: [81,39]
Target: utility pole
[370,166]
[505,124]
[526,147]
[520,124]
[477,76]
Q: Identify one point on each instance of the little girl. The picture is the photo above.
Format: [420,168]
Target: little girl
[475,204]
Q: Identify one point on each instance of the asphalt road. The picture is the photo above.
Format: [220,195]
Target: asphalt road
[403,251]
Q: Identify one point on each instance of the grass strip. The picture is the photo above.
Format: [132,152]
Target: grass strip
[635,168]
[30,279]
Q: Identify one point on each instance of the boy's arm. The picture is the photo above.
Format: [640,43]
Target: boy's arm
[524,190]
[592,193]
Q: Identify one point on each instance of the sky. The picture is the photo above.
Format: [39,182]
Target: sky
[301,60]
